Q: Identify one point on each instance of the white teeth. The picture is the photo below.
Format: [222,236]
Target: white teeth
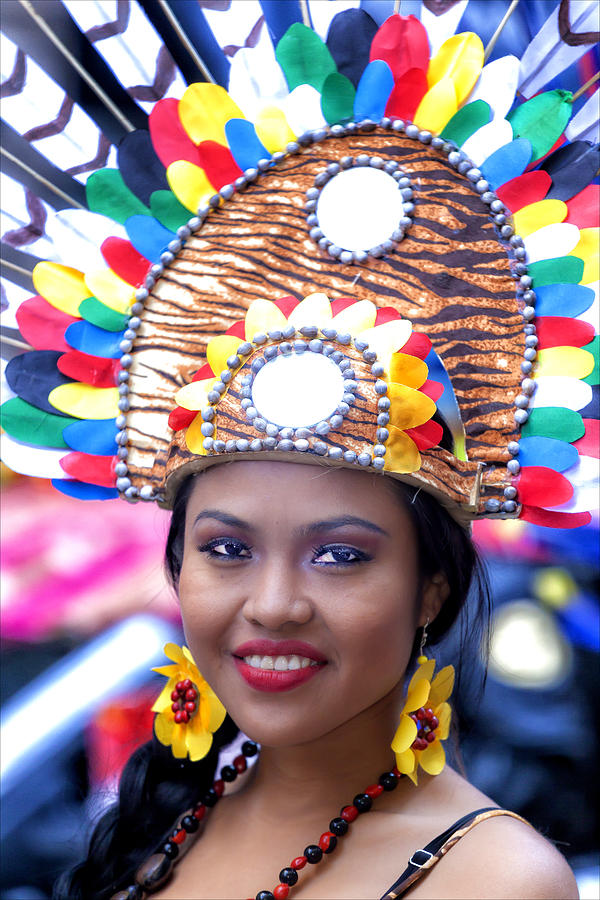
[279,663]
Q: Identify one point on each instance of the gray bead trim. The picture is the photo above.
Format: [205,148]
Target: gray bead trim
[391,167]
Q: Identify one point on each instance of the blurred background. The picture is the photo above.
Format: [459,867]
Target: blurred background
[85,608]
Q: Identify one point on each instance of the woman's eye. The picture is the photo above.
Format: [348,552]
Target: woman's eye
[338,554]
[226,549]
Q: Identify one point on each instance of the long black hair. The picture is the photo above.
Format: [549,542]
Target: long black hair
[155,787]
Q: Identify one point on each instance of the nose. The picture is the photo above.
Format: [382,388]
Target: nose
[275,597]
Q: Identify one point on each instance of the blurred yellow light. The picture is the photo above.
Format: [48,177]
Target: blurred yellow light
[554,586]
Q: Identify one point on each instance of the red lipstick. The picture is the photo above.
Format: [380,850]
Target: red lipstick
[273,681]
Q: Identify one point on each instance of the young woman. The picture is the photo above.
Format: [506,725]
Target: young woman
[316,267]
[343,569]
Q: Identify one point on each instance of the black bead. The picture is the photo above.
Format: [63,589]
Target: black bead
[249,748]
[190,824]
[388,781]
[313,854]
[363,803]
[265,895]
[228,773]
[134,892]
[339,826]
[210,798]
[170,850]
[288,876]
[332,845]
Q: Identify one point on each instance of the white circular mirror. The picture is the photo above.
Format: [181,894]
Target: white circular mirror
[298,390]
[359,208]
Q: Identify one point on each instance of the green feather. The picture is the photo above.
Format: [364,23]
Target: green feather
[27,423]
[542,120]
[304,57]
[467,121]
[554,422]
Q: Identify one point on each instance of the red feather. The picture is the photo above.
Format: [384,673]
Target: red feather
[524,189]
[339,305]
[90,468]
[42,325]
[238,329]
[554,519]
[407,93]
[402,43]
[181,418]
[287,305]
[124,260]
[559,331]
[417,345]
[584,208]
[169,138]
[539,486]
[87,369]
[589,444]
[203,373]
[427,435]
[386,314]
[432,389]
[218,163]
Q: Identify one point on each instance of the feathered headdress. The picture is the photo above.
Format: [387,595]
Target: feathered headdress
[374,250]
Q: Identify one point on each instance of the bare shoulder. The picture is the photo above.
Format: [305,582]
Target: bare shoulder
[501,858]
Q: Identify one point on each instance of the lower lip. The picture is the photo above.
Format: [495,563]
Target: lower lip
[273,682]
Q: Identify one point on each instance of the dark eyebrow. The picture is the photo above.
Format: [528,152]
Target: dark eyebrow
[331,524]
[223,517]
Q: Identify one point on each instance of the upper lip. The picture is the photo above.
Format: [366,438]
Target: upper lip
[265,647]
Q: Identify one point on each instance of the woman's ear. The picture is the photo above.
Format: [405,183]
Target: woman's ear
[435,593]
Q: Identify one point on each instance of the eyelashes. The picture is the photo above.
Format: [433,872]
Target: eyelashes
[226,549]
[338,555]
[326,555]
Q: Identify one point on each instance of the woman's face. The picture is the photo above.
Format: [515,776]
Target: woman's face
[299,594]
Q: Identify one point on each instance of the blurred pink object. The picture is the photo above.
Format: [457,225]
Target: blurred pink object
[76,567]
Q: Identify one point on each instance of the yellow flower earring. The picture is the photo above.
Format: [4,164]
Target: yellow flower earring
[425,718]
[188,710]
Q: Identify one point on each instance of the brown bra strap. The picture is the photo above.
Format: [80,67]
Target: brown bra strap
[422,861]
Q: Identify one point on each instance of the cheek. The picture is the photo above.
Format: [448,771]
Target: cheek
[206,615]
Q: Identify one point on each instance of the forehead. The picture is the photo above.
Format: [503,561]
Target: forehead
[263,492]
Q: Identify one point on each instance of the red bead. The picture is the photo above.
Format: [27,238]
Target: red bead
[421,713]
[429,712]
[430,738]
[179,685]
[434,723]
[190,707]
[175,707]
[374,790]
[349,813]
[414,717]
[281,891]
[298,863]
[184,716]
[179,837]
[199,812]
[240,764]
[191,694]
[174,695]
[325,840]
[219,787]
[396,772]
[186,685]
[179,716]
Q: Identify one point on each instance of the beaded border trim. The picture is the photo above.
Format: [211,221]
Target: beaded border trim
[363,160]
[287,438]
[508,507]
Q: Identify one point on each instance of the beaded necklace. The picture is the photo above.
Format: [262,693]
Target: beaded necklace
[156,870]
